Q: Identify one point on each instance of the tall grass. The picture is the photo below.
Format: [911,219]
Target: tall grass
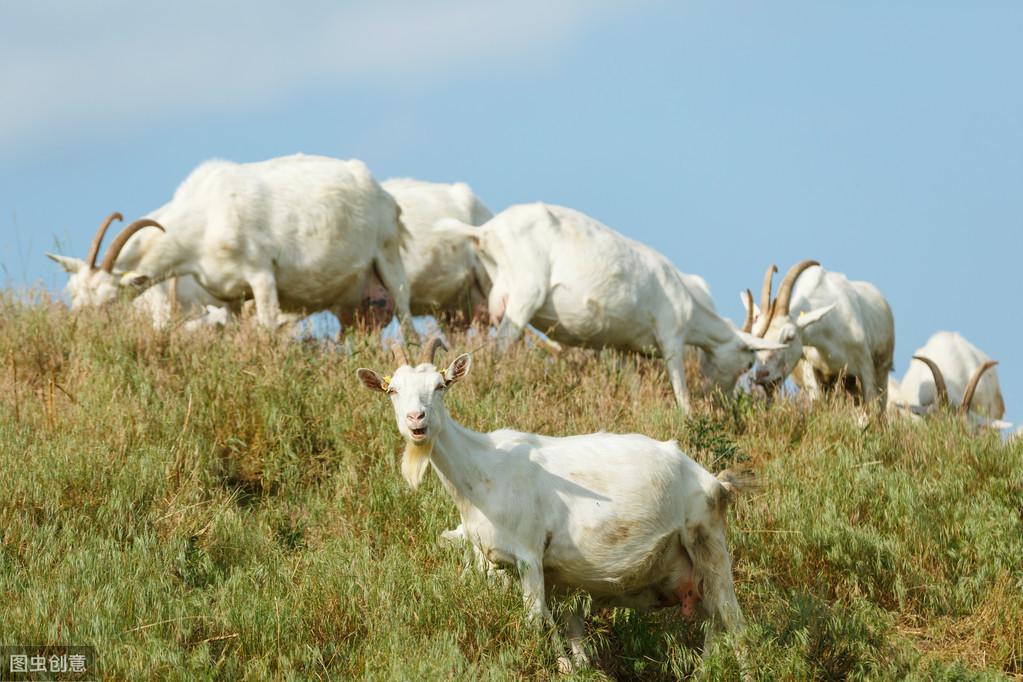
[226,505]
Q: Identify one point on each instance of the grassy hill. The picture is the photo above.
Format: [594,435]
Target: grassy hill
[227,505]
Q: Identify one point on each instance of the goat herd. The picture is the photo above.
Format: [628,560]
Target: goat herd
[632,521]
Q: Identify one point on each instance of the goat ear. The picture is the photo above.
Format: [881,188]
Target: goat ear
[457,369]
[804,320]
[757,343]
[371,379]
[745,304]
[70,265]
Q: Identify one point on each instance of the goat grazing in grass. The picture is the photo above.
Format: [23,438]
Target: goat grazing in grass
[159,303]
[833,328]
[951,372]
[584,284]
[630,520]
[298,234]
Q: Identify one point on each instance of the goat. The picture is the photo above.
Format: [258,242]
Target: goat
[160,302]
[183,296]
[297,233]
[443,273]
[584,284]
[835,328]
[630,520]
[951,372]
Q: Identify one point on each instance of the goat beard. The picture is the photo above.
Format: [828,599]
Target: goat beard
[414,462]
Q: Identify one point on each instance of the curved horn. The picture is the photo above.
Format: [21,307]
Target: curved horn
[939,379]
[429,352]
[765,289]
[766,312]
[98,239]
[971,387]
[785,289]
[399,353]
[127,233]
[747,326]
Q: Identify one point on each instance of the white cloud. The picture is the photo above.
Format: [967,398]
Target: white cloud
[72,69]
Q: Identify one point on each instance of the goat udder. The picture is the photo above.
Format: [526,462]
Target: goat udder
[688,594]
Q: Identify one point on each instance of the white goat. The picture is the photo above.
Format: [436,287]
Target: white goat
[630,520]
[584,284]
[297,233]
[950,371]
[443,272]
[839,329]
[178,294]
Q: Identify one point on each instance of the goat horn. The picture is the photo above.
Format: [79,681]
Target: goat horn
[98,239]
[747,326]
[971,387]
[765,290]
[127,233]
[939,379]
[429,352]
[785,289]
[399,353]
[766,312]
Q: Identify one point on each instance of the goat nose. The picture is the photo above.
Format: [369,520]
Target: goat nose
[416,416]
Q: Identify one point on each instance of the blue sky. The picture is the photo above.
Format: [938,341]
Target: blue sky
[884,139]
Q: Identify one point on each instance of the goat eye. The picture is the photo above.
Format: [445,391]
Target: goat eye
[392,391]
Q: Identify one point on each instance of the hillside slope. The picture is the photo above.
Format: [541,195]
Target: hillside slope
[227,505]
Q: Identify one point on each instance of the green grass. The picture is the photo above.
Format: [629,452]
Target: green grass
[228,505]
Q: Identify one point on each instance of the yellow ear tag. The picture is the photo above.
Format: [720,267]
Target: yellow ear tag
[387,382]
[802,313]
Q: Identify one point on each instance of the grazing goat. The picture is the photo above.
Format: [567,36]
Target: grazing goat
[298,233]
[159,302]
[836,329]
[630,520]
[443,272]
[950,371]
[584,284]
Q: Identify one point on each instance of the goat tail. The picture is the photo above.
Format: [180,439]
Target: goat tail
[458,233]
[735,482]
[455,230]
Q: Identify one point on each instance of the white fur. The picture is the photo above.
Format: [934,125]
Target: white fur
[622,517]
[958,360]
[584,284]
[834,326]
[297,233]
[442,269]
[92,287]
[183,296]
